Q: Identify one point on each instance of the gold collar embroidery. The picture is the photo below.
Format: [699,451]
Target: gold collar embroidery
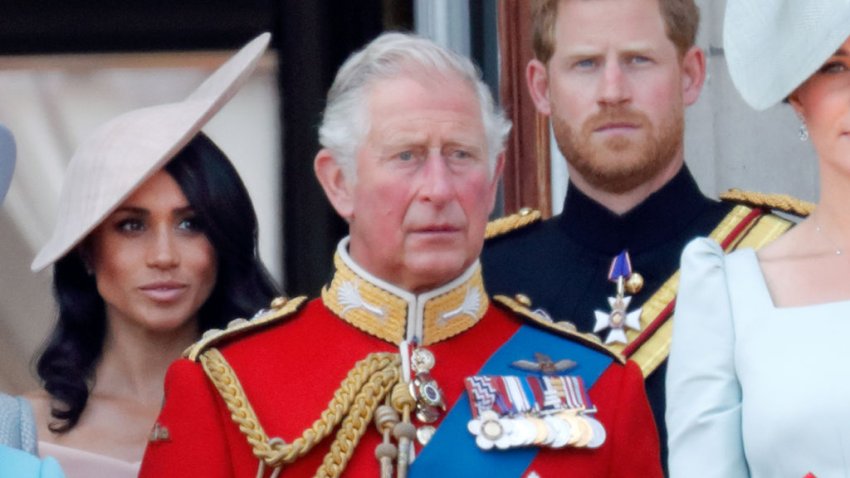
[393,314]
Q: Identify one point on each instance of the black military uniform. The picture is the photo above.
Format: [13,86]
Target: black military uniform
[562,263]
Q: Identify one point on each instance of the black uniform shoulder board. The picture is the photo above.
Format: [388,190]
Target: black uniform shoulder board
[520,306]
[777,202]
[279,309]
[506,224]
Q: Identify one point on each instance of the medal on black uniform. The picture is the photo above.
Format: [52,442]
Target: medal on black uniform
[619,318]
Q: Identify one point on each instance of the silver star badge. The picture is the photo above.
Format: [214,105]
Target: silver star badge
[618,319]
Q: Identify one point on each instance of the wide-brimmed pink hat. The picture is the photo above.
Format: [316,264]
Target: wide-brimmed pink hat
[123,153]
[7,160]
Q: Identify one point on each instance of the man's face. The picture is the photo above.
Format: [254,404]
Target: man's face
[615,88]
[423,192]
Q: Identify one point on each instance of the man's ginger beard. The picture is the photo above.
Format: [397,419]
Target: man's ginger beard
[619,164]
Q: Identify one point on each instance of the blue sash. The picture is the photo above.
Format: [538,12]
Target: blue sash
[452,451]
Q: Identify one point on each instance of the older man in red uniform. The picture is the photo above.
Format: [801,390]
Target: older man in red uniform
[405,366]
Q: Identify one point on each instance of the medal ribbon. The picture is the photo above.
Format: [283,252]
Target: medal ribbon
[452,451]
[484,392]
[520,395]
[539,395]
[516,394]
[621,266]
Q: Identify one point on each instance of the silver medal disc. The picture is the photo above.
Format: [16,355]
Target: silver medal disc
[424,434]
[561,429]
[599,433]
[524,432]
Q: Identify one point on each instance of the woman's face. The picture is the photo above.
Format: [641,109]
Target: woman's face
[153,265]
[824,103]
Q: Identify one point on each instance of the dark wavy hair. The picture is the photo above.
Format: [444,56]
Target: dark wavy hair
[243,285]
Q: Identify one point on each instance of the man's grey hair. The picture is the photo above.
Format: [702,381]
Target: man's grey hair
[346,121]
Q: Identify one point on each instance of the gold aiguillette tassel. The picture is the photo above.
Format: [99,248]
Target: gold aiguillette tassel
[404,431]
[385,419]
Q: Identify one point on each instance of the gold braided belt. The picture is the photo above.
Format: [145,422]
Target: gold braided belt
[353,406]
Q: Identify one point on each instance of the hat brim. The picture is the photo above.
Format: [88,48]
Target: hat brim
[123,153]
[772,47]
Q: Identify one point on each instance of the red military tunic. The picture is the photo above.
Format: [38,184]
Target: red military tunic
[290,368]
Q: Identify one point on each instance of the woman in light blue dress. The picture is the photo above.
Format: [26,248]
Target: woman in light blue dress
[757,383]
[16,463]
[17,428]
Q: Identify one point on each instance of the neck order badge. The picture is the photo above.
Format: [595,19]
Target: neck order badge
[619,318]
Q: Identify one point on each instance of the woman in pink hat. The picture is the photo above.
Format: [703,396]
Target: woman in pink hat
[756,385]
[156,243]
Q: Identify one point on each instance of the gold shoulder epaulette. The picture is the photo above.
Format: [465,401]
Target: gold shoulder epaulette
[779,202]
[280,308]
[744,226]
[520,306]
[504,225]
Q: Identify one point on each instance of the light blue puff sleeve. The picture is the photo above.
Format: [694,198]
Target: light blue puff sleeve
[703,393]
[19,464]
[17,424]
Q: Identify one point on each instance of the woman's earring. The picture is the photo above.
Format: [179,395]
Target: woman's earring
[804,132]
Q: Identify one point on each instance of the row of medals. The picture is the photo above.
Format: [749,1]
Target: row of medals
[559,429]
[556,430]
[506,416]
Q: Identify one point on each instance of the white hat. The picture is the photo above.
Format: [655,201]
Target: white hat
[773,46]
[7,160]
[123,153]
